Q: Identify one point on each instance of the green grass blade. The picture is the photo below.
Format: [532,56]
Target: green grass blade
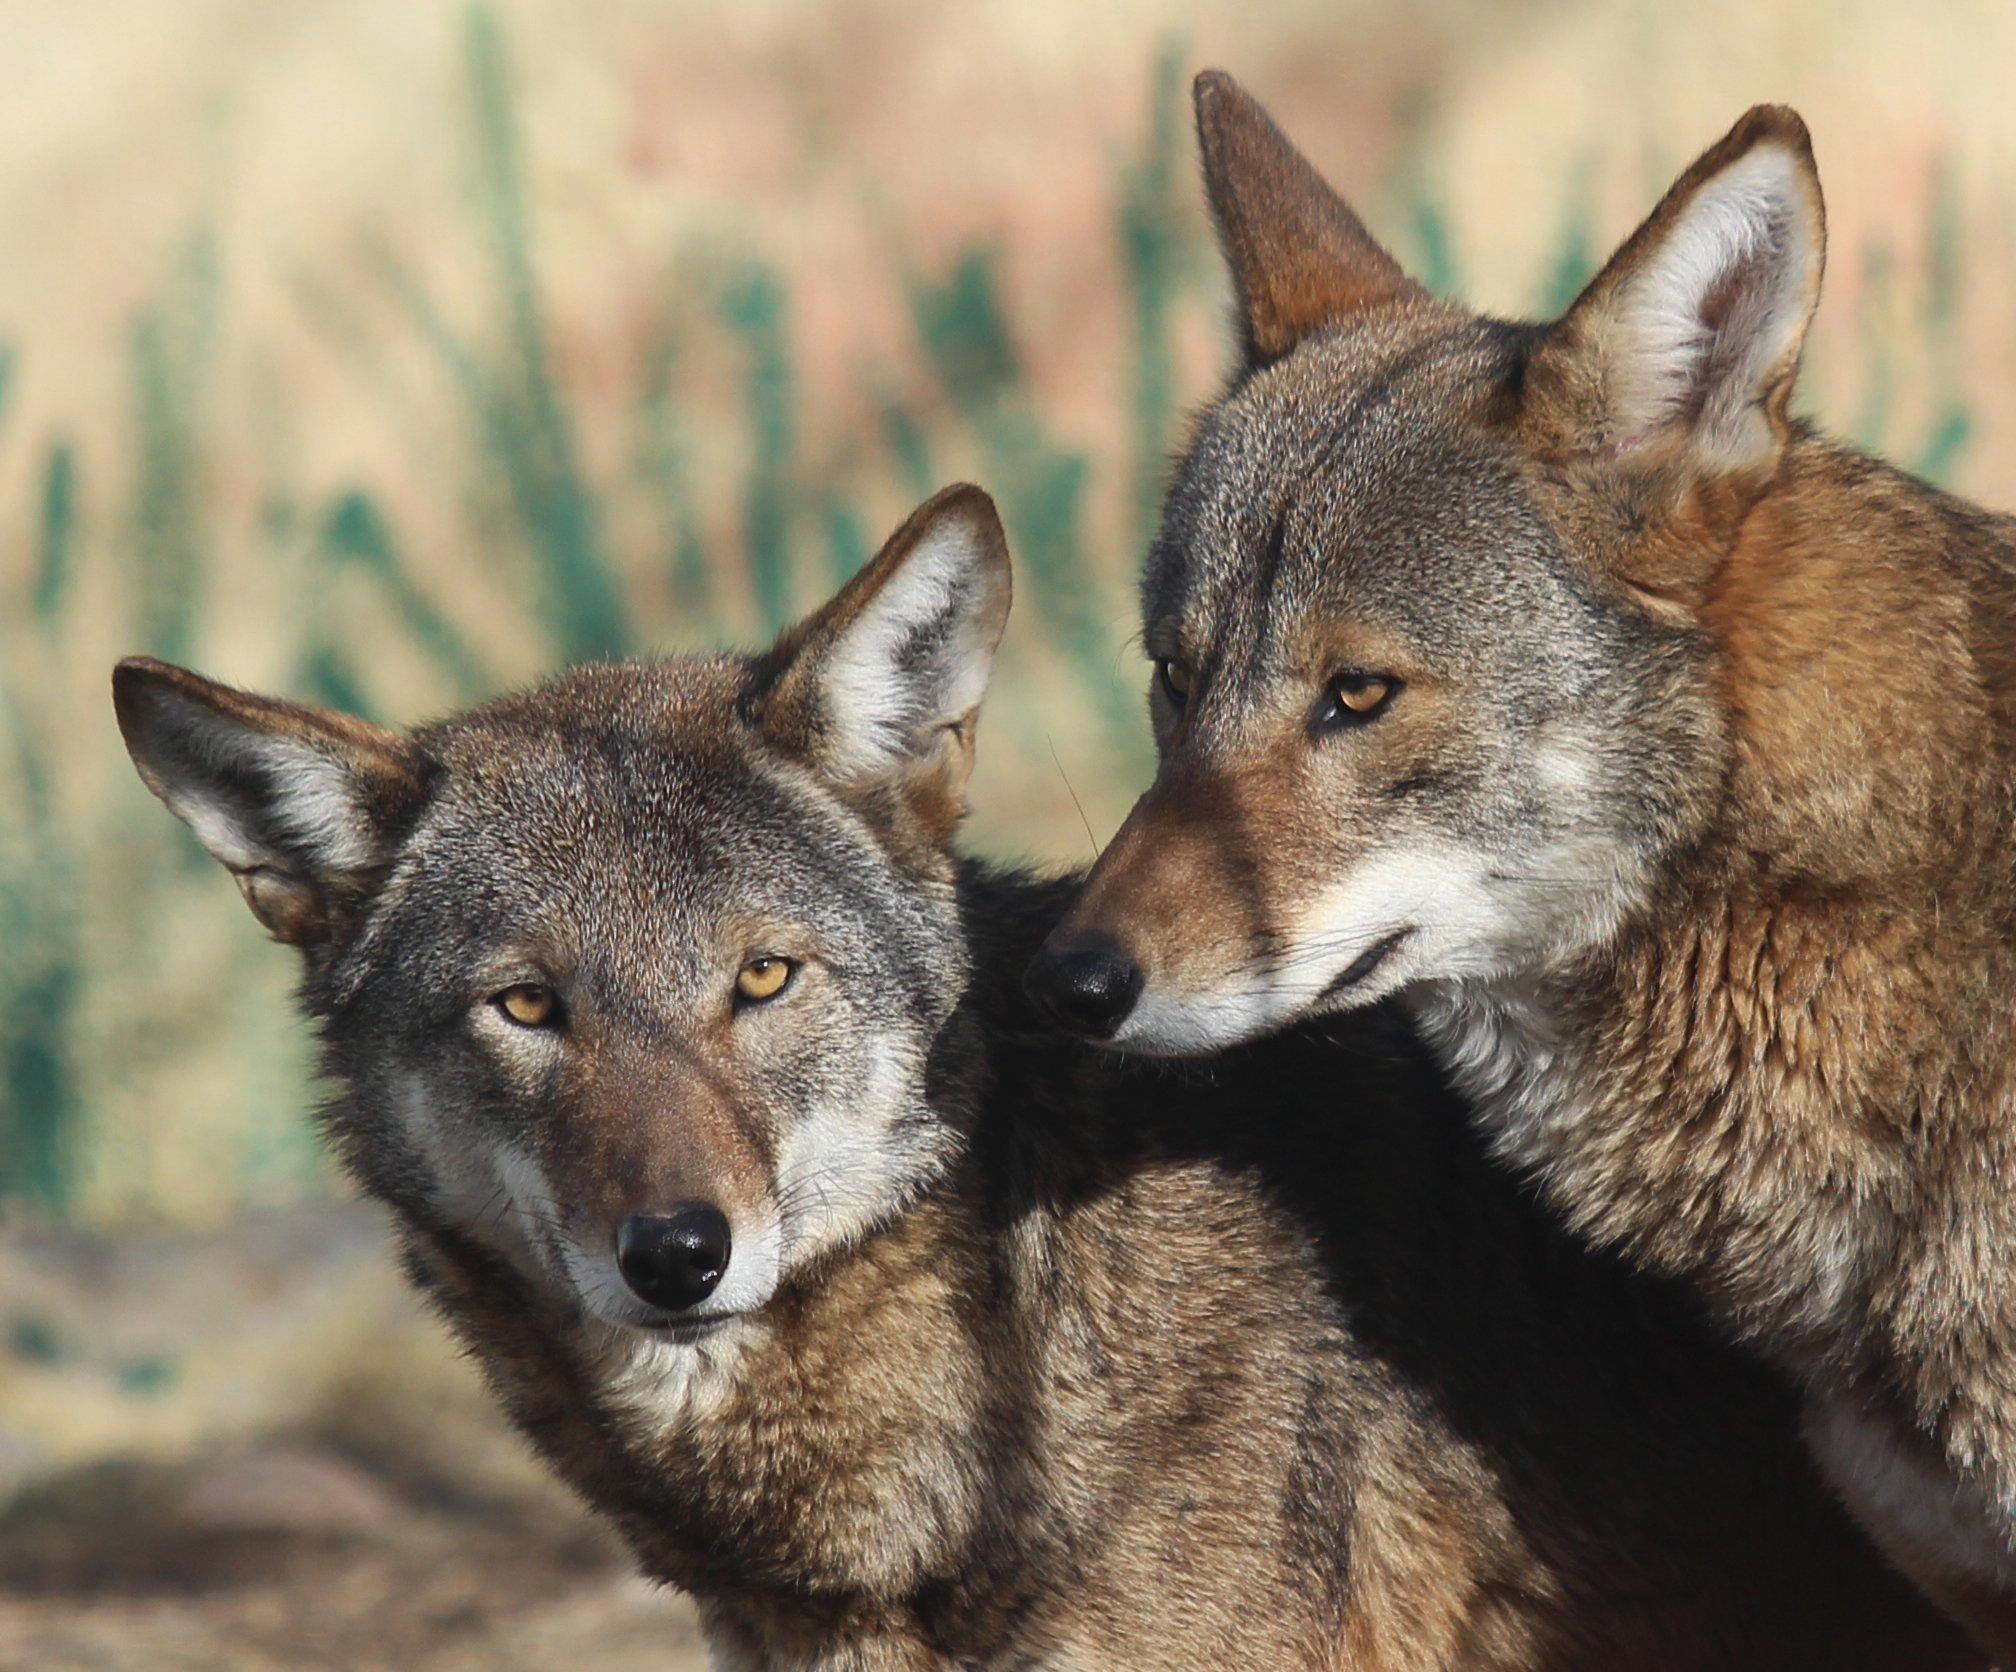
[964,334]
[1571,263]
[1154,188]
[168,354]
[1879,366]
[39,1110]
[58,531]
[1952,428]
[904,436]
[665,472]
[1429,240]
[1038,483]
[753,306]
[586,612]
[847,547]
[357,532]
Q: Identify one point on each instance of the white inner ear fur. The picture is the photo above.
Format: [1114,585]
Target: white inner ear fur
[945,590]
[1747,239]
[312,797]
[316,800]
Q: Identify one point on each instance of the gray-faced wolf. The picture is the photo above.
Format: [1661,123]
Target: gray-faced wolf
[695,1069]
[1657,747]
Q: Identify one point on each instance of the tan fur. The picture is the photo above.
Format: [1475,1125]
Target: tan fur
[1020,1354]
[1772,1047]
[890,1416]
[1792,1073]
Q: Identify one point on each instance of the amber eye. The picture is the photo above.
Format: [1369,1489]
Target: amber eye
[1354,698]
[762,978]
[1175,680]
[528,1005]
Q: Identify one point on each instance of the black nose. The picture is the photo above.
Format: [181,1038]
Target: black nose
[1087,986]
[674,1260]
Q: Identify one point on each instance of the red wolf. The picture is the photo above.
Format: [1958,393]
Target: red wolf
[1657,749]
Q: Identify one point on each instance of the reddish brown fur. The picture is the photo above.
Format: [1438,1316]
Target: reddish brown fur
[1801,1054]
[651,1125]
[1784,1068]
[1110,1365]
[1058,1433]
[1309,259]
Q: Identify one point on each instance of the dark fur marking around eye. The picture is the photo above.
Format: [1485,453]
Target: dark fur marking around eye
[1424,783]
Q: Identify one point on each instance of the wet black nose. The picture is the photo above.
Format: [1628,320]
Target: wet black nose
[1087,986]
[674,1260]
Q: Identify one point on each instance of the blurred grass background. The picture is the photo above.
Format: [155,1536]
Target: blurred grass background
[392,353]
[392,358]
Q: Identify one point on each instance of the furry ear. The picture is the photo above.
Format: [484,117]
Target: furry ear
[1300,258]
[881,687]
[299,804]
[1690,336]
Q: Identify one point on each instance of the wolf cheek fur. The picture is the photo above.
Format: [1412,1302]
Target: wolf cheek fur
[1685,823]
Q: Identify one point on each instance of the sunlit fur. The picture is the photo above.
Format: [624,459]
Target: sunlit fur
[1694,807]
[1036,1357]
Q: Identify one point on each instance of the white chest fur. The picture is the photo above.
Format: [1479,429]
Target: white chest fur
[1499,1044]
[1936,1523]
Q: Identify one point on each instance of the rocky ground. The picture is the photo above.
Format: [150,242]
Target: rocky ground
[251,1449]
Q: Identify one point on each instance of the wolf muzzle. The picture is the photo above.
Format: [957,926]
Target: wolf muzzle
[1087,985]
[674,1260]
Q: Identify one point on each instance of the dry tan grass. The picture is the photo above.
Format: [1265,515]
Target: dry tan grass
[305,1475]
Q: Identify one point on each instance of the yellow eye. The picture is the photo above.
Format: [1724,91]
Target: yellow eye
[1355,698]
[528,1005]
[763,978]
[1361,696]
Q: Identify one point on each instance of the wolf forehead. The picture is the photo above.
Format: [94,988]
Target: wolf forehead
[1366,470]
[630,751]
[619,792]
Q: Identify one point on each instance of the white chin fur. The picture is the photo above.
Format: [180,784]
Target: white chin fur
[1436,896]
[1174,1025]
[1465,917]
[1166,1024]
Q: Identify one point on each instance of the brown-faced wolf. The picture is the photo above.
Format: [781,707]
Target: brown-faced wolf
[696,1071]
[1657,747]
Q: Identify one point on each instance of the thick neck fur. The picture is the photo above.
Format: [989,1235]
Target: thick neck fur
[1788,1075]
[1194,1367]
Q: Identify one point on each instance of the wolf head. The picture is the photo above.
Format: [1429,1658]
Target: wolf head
[637,978]
[1434,681]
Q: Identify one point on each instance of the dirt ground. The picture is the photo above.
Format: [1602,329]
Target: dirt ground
[294,1471]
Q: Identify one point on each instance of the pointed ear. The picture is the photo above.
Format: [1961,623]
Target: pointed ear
[299,804]
[1300,259]
[1689,339]
[880,689]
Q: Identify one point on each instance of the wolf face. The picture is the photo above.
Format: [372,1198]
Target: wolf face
[1435,672]
[618,977]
